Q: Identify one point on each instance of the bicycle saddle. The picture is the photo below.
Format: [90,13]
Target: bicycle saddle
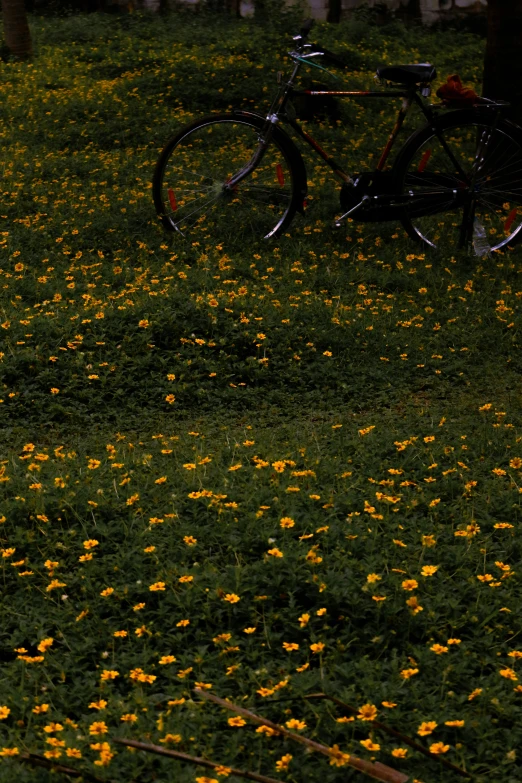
[408,74]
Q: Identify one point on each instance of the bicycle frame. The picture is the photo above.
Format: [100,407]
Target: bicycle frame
[278,107]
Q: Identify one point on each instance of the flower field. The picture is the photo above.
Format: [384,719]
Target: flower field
[265,471]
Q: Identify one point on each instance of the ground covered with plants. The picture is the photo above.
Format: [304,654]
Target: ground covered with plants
[269,471]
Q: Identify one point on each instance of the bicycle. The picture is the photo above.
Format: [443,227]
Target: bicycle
[228,172]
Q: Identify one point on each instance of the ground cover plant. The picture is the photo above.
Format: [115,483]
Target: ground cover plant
[266,470]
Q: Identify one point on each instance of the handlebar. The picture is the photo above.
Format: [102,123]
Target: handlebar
[330,57]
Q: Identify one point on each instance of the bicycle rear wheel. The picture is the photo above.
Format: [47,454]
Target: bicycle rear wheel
[189,184]
[464,173]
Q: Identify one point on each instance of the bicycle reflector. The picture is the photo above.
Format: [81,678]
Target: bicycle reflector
[172,200]
[509,220]
[280,174]
[424,161]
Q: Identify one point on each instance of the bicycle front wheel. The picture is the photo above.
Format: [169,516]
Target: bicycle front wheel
[190,181]
[464,173]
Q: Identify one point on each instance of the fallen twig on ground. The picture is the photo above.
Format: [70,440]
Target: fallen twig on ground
[375,770]
[176,754]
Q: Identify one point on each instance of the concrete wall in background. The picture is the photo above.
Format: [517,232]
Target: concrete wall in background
[430,11]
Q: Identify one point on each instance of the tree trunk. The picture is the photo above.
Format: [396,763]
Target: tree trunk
[334,11]
[503,63]
[16,29]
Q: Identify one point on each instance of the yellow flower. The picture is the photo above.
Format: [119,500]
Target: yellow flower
[337,757]
[405,674]
[409,584]
[429,570]
[157,586]
[139,675]
[190,540]
[439,747]
[50,728]
[265,692]
[414,605]
[98,705]
[508,673]
[290,646]
[170,398]
[109,674]
[303,620]
[287,522]
[9,752]
[167,659]
[457,723]
[45,644]
[93,464]
[236,721]
[371,578]
[275,552]
[185,579]
[426,728]
[428,541]
[108,591]
[231,598]
[172,738]
[223,637]
[367,712]
[294,723]
[40,708]
[317,647]
[438,649]
[267,730]
[223,771]
[389,704]
[252,629]
[370,745]
[400,753]
[54,584]
[129,717]
[4,712]
[284,762]
[474,694]
[90,543]
[98,727]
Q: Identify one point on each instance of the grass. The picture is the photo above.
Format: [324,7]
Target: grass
[273,470]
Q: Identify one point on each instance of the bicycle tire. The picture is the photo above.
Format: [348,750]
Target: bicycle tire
[188,182]
[495,199]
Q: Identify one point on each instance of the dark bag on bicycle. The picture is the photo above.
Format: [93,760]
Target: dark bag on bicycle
[454,94]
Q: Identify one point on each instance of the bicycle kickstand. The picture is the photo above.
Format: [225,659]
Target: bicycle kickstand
[338,221]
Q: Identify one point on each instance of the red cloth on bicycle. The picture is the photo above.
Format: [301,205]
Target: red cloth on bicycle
[455,94]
